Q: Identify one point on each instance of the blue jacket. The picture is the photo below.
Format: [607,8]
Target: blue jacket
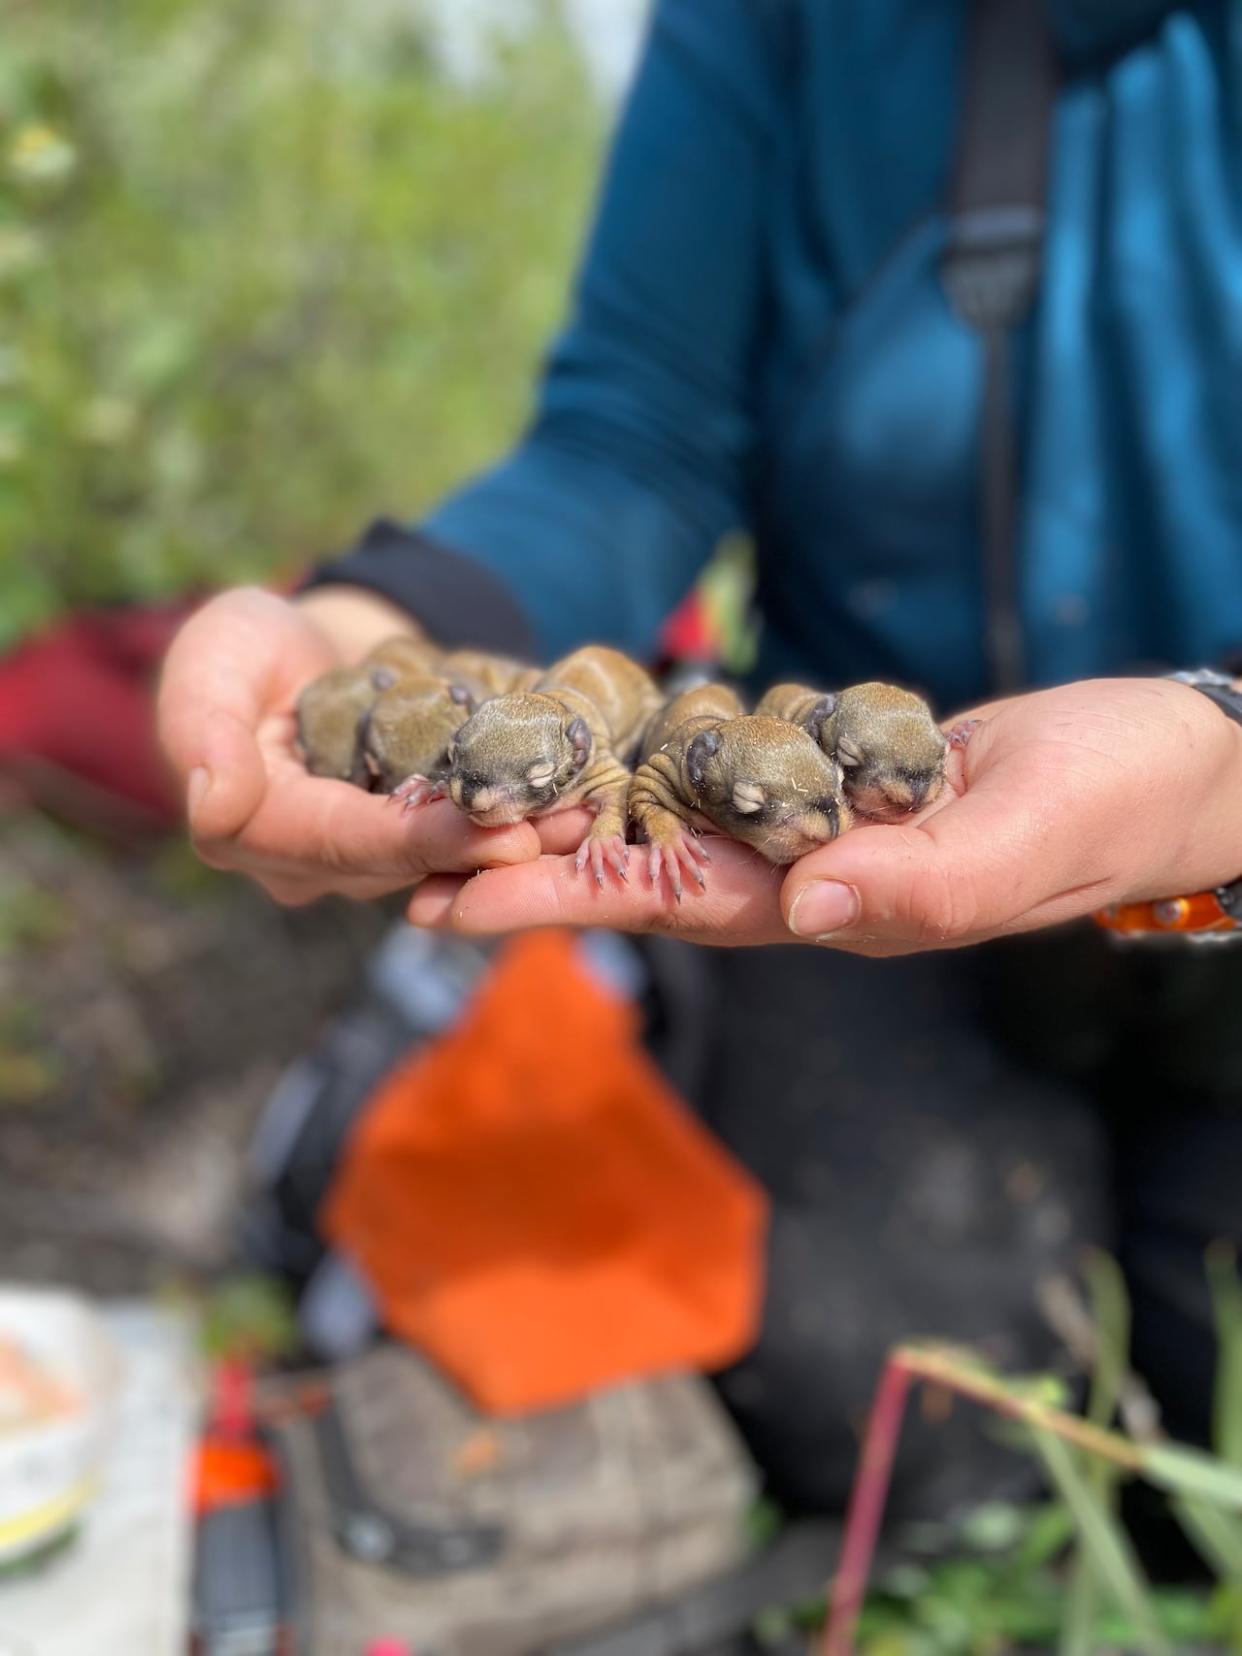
[760,339]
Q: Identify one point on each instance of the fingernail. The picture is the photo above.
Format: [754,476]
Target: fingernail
[196,790]
[823,907]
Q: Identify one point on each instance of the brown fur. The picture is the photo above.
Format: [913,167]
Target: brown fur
[890,749]
[487,675]
[409,728]
[564,741]
[407,655]
[393,715]
[329,714]
[759,779]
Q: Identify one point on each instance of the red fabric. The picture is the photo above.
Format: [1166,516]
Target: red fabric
[689,634]
[77,717]
[535,1208]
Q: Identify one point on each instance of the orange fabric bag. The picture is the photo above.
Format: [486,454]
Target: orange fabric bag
[534,1207]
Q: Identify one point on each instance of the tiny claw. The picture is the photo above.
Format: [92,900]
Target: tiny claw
[611,851]
[416,790]
[617,853]
[961,733]
[686,850]
[697,849]
[670,860]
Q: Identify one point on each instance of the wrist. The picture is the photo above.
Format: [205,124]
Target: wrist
[354,619]
[1210,830]
[1199,892]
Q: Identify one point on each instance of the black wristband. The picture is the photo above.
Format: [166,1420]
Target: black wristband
[1217,687]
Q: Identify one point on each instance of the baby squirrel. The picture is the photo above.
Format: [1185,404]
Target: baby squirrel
[408,728]
[563,741]
[759,779]
[329,715]
[396,711]
[885,740]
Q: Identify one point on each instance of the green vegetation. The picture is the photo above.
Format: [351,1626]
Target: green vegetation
[1063,1576]
[264,272]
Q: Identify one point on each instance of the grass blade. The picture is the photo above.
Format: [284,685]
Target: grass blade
[1215,1535]
[1110,1335]
[1110,1316]
[1078,1631]
[1181,1471]
[1111,1555]
[1222,1270]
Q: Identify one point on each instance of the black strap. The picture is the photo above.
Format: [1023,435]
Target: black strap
[373,1533]
[1226,698]
[991,267]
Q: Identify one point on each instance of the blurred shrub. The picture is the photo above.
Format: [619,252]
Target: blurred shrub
[265,270]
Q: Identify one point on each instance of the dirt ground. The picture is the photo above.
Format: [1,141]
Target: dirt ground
[147,1006]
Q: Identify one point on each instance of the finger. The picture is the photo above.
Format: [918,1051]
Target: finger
[432,902]
[319,827]
[563,831]
[740,904]
[297,890]
[993,860]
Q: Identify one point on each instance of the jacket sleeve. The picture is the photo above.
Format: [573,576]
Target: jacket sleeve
[639,456]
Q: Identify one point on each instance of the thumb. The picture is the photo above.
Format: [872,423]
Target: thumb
[227,777]
[210,700]
[993,860]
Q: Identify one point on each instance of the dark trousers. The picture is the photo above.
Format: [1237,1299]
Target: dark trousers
[937,1134]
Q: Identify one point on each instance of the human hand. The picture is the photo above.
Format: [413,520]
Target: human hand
[226,717]
[1063,801]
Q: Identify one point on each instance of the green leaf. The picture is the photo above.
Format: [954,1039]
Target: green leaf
[1082,1606]
[1050,1528]
[1104,1541]
[1182,1471]
[1110,1315]
[1222,1269]
[1216,1536]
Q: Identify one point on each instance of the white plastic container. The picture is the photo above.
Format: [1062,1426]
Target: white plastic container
[49,1471]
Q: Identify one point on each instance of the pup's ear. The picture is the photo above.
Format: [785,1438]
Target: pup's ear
[461,694]
[701,749]
[578,735]
[383,677]
[819,715]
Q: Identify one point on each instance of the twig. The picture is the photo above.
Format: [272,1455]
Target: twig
[868,1499]
[871,1481]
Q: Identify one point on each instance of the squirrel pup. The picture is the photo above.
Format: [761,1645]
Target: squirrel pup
[756,778]
[340,737]
[330,712]
[564,741]
[889,746]
[409,727]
